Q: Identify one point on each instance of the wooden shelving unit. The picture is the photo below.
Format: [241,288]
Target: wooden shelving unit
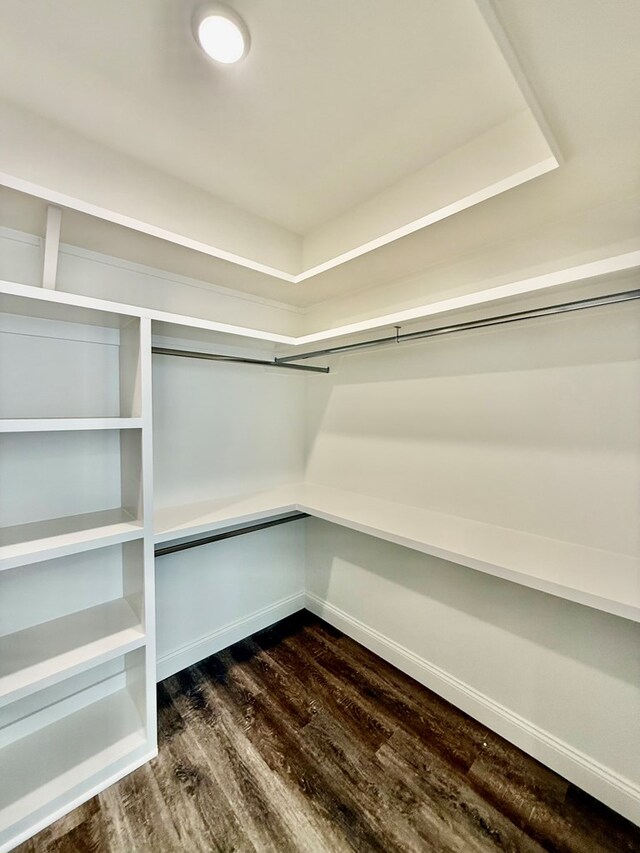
[77,672]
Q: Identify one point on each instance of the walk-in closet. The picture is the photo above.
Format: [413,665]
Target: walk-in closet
[319,426]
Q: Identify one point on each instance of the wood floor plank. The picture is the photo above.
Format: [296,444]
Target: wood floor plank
[311,785]
[447,794]
[299,740]
[294,827]
[395,702]
[228,800]
[339,694]
[535,798]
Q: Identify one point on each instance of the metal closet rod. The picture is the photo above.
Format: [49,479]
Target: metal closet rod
[211,356]
[163,550]
[500,320]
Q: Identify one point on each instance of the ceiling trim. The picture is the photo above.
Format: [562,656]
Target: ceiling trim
[435,216]
[73,203]
[55,197]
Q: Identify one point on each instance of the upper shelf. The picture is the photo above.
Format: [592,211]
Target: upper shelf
[605,580]
[40,302]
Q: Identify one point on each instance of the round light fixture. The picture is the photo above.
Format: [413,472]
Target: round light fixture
[221,33]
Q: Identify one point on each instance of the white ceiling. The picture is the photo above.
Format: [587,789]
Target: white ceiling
[335,101]
[580,57]
[348,125]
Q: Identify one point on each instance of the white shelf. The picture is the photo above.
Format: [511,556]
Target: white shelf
[57,537]
[192,519]
[601,579]
[604,580]
[21,298]
[63,424]
[38,657]
[42,767]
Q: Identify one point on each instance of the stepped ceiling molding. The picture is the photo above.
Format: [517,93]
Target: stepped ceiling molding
[349,125]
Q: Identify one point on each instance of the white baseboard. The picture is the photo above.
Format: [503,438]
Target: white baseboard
[616,791]
[225,636]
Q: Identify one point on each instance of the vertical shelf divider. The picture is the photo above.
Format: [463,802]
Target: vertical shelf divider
[146,412]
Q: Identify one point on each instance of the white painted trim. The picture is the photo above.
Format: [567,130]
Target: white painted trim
[227,635]
[503,40]
[58,198]
[535,284]
[615,790]
[51,247]
[435,216]
[461,204]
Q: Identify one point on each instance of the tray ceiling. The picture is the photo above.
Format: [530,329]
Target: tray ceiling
[348,126]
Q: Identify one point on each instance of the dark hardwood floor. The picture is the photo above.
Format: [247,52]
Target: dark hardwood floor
[299,739]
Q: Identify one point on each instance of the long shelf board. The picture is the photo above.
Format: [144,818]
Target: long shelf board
[58,537]
[192,519]
[63,424]
[43,766]
[604,580]
[548,281]
[37,657]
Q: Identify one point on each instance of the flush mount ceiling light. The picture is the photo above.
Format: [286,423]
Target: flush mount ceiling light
[220,32]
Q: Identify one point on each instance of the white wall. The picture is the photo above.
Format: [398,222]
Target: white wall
[222,430]
[533,426]
[76,371]
[214,595]
[558,679]
[536,427]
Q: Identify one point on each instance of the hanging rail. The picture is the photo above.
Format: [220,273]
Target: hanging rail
[210,356]
[502,319]
[163,550]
